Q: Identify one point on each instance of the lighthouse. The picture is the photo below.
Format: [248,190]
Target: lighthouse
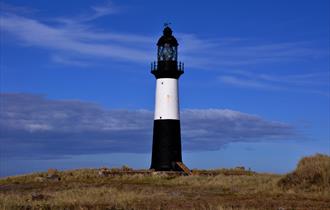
[166,147]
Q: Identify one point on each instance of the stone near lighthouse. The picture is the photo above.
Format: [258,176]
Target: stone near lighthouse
[166,147]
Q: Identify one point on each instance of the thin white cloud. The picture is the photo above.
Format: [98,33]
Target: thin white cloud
[74,35]
[312,79]
[206,53]
[62,59]
[103,10]
[316,83]
[35,33]
[232,80]
[96,12]
[74,41]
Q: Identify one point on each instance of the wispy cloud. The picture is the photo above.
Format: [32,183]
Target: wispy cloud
[317,83]
[63,59]
[73,36]
[95,12]
[34,126]
[77,35]
[75,41]
[105,9]
[237,52]
[251,83]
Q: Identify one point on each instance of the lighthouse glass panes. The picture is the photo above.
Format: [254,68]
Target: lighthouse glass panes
[167,53]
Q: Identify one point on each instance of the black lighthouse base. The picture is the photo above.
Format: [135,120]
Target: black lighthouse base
[166,147]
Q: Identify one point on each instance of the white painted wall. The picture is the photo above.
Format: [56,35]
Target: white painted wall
[167,99]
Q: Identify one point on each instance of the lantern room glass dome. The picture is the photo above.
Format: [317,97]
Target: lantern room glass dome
[167,46]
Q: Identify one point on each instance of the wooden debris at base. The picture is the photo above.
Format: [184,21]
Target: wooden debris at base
[183,167]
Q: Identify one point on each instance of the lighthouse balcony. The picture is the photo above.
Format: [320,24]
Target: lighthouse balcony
[167,69]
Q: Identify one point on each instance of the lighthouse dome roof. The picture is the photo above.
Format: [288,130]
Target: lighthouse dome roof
[167,38]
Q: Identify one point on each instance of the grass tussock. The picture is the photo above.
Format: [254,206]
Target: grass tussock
[312,173]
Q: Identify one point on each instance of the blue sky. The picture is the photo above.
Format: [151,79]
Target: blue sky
[76,88]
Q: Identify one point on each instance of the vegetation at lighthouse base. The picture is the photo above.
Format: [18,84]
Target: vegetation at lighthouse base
[307,187]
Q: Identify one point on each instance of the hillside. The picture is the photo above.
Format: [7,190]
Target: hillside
[308,187]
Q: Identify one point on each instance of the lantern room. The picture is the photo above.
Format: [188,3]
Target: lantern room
[167,46]
[167,65]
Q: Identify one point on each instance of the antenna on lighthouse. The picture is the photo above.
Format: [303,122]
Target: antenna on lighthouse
[166,24]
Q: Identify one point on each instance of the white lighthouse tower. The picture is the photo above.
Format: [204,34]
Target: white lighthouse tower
[166,148]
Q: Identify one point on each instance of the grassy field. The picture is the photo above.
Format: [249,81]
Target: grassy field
[306,188]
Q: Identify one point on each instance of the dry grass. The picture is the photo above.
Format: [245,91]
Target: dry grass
[226,189]
[98,197]
[312,174]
